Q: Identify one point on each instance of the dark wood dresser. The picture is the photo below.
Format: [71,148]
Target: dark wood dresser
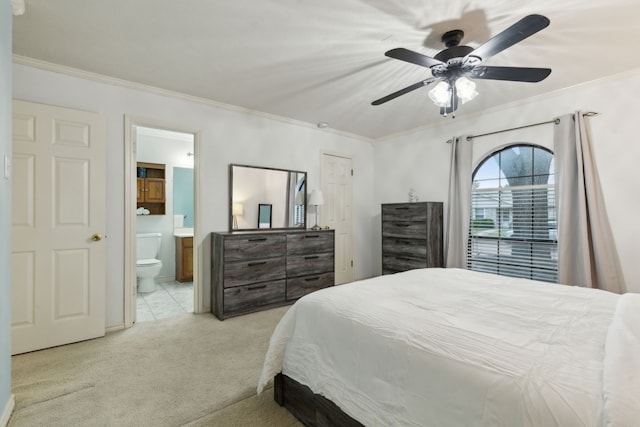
[411,236]
[252,271]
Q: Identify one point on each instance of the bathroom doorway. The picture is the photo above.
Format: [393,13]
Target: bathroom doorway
[162,171]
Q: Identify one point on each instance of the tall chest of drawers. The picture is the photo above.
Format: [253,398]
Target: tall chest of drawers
[411,236]
[253,271]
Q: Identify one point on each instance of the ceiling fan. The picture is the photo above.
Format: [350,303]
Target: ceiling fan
[453,66]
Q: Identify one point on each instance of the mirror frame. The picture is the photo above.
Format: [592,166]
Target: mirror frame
[304,218]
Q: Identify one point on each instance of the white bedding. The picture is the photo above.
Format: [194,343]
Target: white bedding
[450,347]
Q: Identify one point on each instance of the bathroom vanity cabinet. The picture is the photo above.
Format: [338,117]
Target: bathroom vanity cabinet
[184,259]
[254,271]
[151,184]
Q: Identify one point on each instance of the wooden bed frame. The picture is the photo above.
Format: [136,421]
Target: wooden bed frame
[310,408]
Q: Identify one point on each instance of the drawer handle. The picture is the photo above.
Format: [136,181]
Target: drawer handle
[408,242]
[402,225]
[312,279]
[311,236]
[312,257]
[255,288]
[253,264]
[405,208]
[401,258]
[261,239]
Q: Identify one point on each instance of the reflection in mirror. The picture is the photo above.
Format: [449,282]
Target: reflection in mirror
[264,215]
[183,197]
[283,190]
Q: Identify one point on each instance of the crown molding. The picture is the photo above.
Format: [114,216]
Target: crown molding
[101,78]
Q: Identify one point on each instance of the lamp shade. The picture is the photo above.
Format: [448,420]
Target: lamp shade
[441,94]
[466,89]
[237,209]
[316,198]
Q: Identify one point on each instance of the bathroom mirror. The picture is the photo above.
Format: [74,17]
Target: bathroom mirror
[183,198]
[281,193]
[264,215]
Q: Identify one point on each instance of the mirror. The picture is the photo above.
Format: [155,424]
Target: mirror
[183,198]
[278,196]
[264,215]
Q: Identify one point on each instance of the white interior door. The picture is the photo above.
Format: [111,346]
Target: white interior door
[337,185]
[58,216]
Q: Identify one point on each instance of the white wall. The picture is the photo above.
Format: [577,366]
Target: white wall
[5,211]
[421,159]
[227,136]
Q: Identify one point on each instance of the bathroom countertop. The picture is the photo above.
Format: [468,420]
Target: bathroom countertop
[183,232]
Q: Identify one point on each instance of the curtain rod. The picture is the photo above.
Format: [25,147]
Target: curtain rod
[555,121]
[470,137]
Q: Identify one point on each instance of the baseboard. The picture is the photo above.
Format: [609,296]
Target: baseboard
[113,328]
[8,410]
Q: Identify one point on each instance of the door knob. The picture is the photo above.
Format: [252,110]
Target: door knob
[96,237]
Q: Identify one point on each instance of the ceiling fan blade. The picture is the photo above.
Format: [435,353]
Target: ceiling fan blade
[402,91]
[413,57]
[527,26]
[516,74]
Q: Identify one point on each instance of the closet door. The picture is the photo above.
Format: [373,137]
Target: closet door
[337,188]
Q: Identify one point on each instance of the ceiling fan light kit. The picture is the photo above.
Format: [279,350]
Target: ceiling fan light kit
[442,94]
[454,67]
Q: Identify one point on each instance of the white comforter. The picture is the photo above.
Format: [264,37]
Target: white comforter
[449,347]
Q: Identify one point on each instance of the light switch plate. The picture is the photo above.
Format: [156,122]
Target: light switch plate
[7,167]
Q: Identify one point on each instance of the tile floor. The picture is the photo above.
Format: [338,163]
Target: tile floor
[169,299]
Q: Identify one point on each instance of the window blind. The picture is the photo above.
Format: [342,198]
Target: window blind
[513,231]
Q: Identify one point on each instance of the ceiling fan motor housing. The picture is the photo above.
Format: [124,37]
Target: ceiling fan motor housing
[453,52]
[451,40]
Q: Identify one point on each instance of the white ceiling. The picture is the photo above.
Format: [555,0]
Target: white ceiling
[323,60]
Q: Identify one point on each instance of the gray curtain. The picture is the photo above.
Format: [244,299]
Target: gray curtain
[586,252]
[460,180]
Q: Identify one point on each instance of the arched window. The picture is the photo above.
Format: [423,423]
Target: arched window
[513,214]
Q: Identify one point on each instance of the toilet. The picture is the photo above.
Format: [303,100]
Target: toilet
[147,266]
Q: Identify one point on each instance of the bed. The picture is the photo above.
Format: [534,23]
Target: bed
[452,347]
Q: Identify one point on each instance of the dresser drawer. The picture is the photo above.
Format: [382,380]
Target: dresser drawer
[240,273]
[300,286]
[310,243]
[245,298]
[303,265]
[416,230]
[404,212]
[398,246]
[394,264]
[254,246]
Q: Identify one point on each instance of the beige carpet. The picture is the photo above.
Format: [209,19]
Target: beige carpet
[192,370]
